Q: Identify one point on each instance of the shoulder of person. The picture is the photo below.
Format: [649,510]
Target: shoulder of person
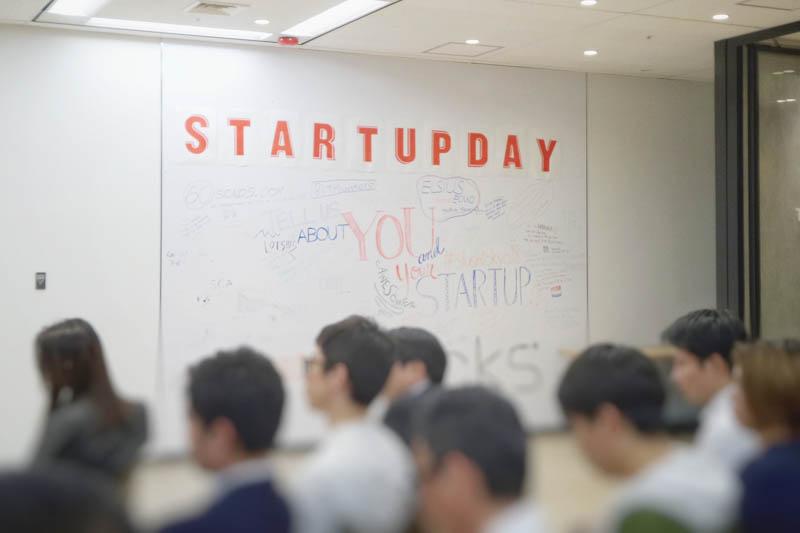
[254,507]
[138,416]
[687,486]
[78,413]
[774,463]
[650,521]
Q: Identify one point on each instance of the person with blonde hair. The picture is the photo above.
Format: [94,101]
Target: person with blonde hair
[768,401]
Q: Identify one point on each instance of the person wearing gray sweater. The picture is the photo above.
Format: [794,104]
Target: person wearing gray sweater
[87,424]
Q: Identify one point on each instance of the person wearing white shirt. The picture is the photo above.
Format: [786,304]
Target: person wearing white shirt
[703,371]
[361,477]
[613,397]
[471,453]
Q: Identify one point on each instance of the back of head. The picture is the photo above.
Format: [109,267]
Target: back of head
[59,500]
[364,349]
[417,344]
[243,387]
[609,374]
[484,427]
[70,357]
[770,381]
[66,352]
[706,332]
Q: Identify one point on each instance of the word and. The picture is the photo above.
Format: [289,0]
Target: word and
[435,252]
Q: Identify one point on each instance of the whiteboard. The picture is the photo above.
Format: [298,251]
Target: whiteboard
[293,197]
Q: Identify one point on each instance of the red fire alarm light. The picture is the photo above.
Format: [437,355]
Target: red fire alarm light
[288,40]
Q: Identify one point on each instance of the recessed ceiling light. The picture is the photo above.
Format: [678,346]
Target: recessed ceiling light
[788,71]
[338,15]
[179,29]
[778,73]
[590,53]
[588,2]
[781,101]
[76,8]
[791,99]
[261,22]
[472,41]
[720,16]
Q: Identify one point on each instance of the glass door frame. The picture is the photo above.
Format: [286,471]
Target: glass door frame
[736,108]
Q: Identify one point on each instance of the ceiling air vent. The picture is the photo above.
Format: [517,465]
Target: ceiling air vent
[214,8]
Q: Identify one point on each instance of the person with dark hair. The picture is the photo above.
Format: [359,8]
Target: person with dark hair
[62,499]
[360,479]
[418,370]
[613,397]
[768,400]
[236,402]
[471,454]
[88,424]
[703,370]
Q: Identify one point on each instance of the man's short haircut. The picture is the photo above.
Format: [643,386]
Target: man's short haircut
[417,344]
[770,382]
[364,349]
[485,428]
[619,376]
[244,387]
[705,332]
[60,499]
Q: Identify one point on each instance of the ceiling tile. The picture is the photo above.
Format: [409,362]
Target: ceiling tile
[740,15]
[21,10]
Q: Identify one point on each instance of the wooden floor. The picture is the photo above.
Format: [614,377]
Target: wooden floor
[561,484]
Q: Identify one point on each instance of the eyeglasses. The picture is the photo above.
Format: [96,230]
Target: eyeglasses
[309,363]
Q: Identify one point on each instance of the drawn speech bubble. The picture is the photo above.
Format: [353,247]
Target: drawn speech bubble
[447,197]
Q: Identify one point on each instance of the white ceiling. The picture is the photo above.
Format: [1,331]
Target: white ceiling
[653,38]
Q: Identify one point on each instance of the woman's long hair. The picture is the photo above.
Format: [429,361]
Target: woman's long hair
[70,358]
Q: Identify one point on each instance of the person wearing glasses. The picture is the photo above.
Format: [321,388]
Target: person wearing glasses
[360,479]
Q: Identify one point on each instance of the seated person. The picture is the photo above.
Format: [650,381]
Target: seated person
[361,478]
[613,397]
[702,369]
[418,370]
[88,425]
[471,452]
[60,499]
[236,401]
[769,402]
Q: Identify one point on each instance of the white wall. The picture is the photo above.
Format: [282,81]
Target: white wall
[81,200]
[80,174]
[651,205]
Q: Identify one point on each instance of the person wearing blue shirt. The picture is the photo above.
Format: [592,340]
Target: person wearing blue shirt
[236,403]
[768,400]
